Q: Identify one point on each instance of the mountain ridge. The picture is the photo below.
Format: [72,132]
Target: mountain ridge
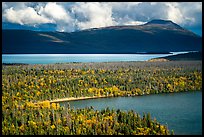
[168,23]
[107,40]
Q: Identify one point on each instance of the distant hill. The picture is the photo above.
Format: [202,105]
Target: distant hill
[156,36]
[183,57]
[39,27]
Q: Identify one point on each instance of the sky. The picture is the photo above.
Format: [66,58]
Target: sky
[76,16]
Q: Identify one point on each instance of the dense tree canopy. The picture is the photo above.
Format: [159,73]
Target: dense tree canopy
[27,90]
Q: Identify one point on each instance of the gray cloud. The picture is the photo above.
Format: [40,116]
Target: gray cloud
[22,13]
[57,14]
[69,16]
[93,15]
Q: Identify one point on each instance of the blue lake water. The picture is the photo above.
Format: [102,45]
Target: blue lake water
[181,112]
[63,58]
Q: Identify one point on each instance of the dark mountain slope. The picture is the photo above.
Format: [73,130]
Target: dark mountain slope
[155,36]
[186,56]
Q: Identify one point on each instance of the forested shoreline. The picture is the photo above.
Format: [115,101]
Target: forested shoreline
[24,86]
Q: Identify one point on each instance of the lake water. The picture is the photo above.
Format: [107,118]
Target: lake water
[181,112]
[63,58]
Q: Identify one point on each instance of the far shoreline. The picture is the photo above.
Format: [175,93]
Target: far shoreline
[98,53]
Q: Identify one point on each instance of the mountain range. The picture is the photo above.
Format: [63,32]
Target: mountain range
[156,36]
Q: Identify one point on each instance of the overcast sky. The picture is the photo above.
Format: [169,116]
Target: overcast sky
[72,16]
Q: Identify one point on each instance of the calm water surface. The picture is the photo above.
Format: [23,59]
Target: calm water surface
[63,58]
[181,112]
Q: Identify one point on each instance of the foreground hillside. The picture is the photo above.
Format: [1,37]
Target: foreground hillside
[155,36]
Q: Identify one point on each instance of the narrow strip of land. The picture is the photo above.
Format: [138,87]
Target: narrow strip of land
[73,99]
